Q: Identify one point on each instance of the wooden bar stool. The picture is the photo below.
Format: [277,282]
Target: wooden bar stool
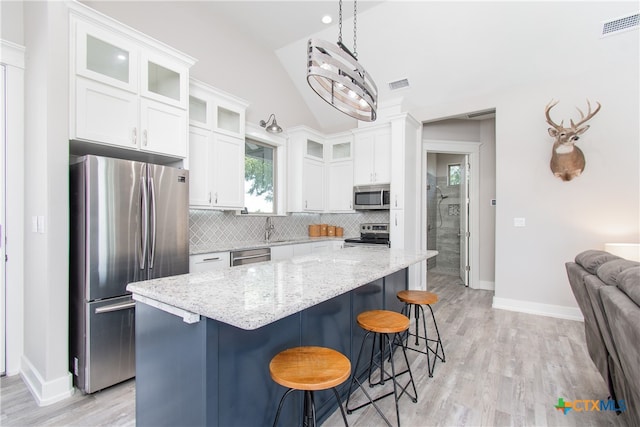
[417,299]
[309,369]
[382,324]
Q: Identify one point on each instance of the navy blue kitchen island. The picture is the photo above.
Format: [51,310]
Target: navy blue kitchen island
[204,341]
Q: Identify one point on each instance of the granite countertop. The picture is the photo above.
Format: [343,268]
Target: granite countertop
[236,246]
[255,295]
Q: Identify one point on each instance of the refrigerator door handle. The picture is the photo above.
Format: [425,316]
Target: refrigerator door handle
[152,204]
[115,307]
[144,226]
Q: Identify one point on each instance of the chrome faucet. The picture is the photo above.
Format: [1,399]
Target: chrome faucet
[268,229]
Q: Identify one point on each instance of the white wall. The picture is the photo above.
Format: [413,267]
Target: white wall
[11,21]
[227,58]
[562,218]
[45,360]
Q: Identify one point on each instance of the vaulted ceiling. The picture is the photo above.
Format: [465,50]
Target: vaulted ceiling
[447,50]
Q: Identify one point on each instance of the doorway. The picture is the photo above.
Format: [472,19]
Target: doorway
[448,214]
[465,208]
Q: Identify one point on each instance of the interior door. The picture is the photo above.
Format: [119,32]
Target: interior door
[464,221]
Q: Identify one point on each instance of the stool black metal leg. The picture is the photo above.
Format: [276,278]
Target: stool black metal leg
[439,341]
[284,396]
[418,324]
[344,416]
[309,417]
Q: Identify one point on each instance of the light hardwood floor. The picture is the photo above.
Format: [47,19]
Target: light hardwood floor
[502,369]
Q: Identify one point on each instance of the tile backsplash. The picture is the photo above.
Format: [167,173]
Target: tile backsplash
[210,228]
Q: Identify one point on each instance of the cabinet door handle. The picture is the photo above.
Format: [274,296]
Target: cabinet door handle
[216,202]
[396,220]
[134,136]
[144,137]
[211,259]
[396,200]
[305,204]
[209,197]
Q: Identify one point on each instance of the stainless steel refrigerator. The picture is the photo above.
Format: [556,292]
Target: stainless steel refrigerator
[129,221]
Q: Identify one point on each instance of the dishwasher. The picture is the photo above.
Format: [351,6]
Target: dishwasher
[250,256]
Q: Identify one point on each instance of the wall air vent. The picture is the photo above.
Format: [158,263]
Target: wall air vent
[399,84]
[481,115]
[618,25]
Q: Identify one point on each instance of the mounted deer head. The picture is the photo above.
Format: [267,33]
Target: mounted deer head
[567,160]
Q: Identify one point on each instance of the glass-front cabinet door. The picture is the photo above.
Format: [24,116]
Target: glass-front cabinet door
[105,57]
[199,112]
[341,151]
[164,81]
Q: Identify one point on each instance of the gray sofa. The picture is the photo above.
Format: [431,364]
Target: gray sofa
[607,289]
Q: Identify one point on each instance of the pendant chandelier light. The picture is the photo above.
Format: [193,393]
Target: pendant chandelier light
[334,73]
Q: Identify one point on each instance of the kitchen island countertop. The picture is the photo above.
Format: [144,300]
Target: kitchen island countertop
[255,295]
[235,246]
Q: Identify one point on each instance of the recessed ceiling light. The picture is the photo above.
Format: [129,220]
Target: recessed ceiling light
[326,19]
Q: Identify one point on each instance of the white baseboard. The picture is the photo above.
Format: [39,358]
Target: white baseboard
[549,310]
[46,392]
[485,285]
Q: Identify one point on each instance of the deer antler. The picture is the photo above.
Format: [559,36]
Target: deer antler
[583,118]
[550,105]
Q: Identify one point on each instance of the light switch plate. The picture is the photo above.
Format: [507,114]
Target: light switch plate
[519,222]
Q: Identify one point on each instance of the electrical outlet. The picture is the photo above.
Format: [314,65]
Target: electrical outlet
[41,226]
[519,222]
[34,224]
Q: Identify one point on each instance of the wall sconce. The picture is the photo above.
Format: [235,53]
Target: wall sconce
[271,127]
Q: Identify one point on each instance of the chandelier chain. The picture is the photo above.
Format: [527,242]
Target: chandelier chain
[340,22]
[355,17]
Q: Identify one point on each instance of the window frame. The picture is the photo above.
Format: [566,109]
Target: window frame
[276,182]
[449,167]
[279,141]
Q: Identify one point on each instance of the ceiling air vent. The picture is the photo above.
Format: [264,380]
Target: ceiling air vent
[399,84]
[616,26]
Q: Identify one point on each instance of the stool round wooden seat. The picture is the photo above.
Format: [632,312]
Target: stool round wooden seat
[381,324]
[416,299]
[383,321]
[309,369]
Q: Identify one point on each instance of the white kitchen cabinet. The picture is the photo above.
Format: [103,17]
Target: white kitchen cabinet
[164,128]
[306,171]
[213,109]
[216,148]
[209,261]
[372,156]
[340,173]
[313,185]
[228,171]
[128,90]
[216,164]
[281,252]
[302,249]
[340,191]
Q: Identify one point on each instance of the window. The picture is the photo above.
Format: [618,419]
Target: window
[453,175]
[259,177]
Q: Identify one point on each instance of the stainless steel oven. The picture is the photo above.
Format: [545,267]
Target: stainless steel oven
[369,197]
[371,234]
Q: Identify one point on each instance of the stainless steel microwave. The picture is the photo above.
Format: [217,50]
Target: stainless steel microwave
[371,197]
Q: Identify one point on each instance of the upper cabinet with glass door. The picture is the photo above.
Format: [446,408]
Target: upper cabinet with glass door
[213,109]
[118,72]
[104,56]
